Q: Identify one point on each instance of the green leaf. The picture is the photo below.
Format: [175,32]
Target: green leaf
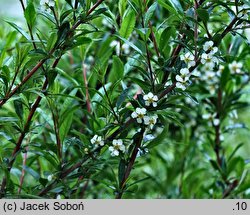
[128,24]
[122,97]
[167,6]
[173,6]
[82,41]
[5,75]
[235,150]
[150,13]
[30,14]
[237,165]
[165,36]
[19,29]
[131,45]
[69,2]
[203,15]
[122,6]
[117,70]
[32,172]
[177,5]
[18,108]
[51,41]
[64,128]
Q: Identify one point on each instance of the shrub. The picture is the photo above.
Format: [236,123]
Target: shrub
[132,99]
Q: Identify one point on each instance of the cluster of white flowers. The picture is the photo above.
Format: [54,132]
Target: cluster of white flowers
[140,115]
[212,118]
[235,67]
[182,78]
[189,59]
[150,98]
[117,147]
[150,120]
[116,44]
[209,61]
[208,57]
[97,140]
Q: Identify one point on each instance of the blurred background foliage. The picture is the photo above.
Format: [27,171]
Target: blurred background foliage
[178,162]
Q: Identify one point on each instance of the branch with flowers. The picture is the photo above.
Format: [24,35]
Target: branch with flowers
[162,88]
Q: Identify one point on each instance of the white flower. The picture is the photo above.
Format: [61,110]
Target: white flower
[208,46]
[50,177]
[222,138]
[235,67]
[97,140]
[188,58]
[115,44]
[208,67]
[212,89]
[139,114]
[150,120]
[210,77]
[117,147]
[209,58]
[58,196]
[126,48]
[182,78]
[150,98]
[216,121]
[211,117]
[86,150]
[220,70]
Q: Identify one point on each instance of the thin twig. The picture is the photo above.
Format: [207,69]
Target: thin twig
[23,170]
[39,64]
[130,165]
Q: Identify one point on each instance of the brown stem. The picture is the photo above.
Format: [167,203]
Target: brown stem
[37,102]
[27,77]
[23,170]
[88,103]
[31,73]
[25,130]
[130,165]
[152,32]
[94,7]
[66,172]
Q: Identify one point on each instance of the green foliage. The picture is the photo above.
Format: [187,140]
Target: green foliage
[139,99]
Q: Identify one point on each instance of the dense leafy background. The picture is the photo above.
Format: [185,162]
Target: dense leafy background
[103,65]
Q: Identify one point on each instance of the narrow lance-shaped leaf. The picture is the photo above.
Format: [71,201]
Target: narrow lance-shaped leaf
[30,14]
[128,24]
[150,13]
